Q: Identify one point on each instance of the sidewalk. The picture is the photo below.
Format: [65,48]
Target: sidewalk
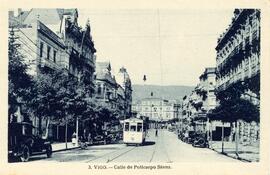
[246,152]
[62,146]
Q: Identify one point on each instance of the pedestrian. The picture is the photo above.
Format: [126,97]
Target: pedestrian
[89,138]
[156,132]
[74,139]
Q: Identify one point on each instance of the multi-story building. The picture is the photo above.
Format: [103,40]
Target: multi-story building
[113,91]
[207,87]
[78,51]
[80,48]
[238,49]
[238,60]
[51,39]
[156,109]
[106,86]
[202,99]
[123,79]
[40,46]
[121,101]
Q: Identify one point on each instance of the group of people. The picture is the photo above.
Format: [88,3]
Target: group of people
[82,138]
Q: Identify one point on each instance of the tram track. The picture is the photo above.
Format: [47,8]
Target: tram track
[152,156]
[163,148]
[110,159]
[165,151]
[154,151]
[116,157]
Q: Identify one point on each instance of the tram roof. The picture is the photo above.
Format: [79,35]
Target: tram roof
[133,120]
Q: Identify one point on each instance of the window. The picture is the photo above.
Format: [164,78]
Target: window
[48,52]
[133,128]
[99,89]
[41,49]
[26,130]
[54,56]
[139,127]
[127,126]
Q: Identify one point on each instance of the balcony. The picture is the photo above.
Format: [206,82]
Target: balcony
[75,55]
[49,64]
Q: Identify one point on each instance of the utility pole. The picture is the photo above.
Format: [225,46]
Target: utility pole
[66,130]
[79,80]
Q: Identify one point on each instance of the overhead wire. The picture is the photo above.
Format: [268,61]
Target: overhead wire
[36,45]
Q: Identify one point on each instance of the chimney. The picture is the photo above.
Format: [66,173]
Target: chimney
[10,14]
[19,11]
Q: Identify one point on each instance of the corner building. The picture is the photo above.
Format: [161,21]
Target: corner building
[238,62]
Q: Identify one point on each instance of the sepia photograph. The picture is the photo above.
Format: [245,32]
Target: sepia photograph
[133,85]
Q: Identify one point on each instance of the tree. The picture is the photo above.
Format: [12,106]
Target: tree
[19,82]
[233,108]
[53,96]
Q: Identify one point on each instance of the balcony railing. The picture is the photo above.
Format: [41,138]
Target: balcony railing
[48,63]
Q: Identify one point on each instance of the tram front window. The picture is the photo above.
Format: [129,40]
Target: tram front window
[139,127]
[126,126]
[133,128]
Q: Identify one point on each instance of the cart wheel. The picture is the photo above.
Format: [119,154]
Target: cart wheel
[25,154]
[49,151]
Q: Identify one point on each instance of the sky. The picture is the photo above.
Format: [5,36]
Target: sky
[170,47]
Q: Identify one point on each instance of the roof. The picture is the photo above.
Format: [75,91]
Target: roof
[23,15]
[103,70]
[153,98]
[106,77]
[46,15]
[50,34]
[134,120]
[208,70]
[62,12]
[13,22]
[103,65]
[17,20]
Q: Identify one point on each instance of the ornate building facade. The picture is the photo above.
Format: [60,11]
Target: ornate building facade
[238,63]
[238,50]
[77,51]
[202,99]
[51,39]
[156,109]
[123,79]
[106,86]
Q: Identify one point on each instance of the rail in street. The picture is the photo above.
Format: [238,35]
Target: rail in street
[165,148]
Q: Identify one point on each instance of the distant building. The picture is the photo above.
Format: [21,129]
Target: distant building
[207,87]
[121,101]
[123,79]
[106,86]
[202,99]
[156,109]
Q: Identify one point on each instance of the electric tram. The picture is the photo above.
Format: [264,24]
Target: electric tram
[134,131]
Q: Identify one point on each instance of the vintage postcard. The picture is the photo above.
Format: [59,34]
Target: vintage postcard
[177,87]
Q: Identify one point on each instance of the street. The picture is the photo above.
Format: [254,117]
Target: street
[165,148]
